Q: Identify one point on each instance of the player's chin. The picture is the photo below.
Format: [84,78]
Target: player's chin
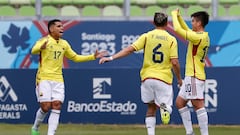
[60,34]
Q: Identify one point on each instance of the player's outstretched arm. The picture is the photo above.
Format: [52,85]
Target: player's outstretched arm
[176,24]
[124,52]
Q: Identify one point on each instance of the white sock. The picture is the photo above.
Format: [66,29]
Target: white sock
[186,119]
[202,117]
[150,125]
[40,115]
[53,121]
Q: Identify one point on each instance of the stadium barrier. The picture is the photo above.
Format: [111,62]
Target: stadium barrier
[111,96]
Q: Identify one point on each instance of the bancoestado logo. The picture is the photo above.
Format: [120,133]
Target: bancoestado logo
[100,86]
[9,110]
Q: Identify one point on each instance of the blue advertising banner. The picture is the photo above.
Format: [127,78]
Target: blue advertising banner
[18,37]
[111,96]
[103,96]
[17,96]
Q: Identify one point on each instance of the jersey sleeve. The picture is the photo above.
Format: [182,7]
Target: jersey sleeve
[72,55]
[194,37]
[174,49]
[140,42]
[36,48]
[182,23]
[181,28]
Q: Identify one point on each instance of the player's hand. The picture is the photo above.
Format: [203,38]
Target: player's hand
[44,45]
[105,59]
[177,11]
[180,83]
[101,54]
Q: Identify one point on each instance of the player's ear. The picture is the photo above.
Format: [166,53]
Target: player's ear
[200,24]
[51,29]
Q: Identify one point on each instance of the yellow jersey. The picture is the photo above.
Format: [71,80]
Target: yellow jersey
[51,58]
[197,47]
[159,47]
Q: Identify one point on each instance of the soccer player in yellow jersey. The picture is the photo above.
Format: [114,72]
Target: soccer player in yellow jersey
[49,79]
[160,58]
[193,87]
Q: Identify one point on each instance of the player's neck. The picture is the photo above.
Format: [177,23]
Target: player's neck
[199,30]
[160,28]
[55,37]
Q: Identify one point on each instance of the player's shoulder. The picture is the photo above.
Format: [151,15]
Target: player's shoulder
[170,36]
[64,42]
[151,32]
[203,34]
[43,38]
[145,34]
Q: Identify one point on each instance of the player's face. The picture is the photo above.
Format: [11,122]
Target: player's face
[195,24]
[57,30]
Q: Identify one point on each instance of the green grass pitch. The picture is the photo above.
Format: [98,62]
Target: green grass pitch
[102,129]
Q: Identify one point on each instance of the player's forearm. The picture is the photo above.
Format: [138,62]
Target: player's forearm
[83,58]
[177,27]
[183,23]
[177,73]
[124,52]
[176,69]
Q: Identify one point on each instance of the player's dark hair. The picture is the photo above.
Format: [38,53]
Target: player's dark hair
[202,16]
[52,22]
[160,19]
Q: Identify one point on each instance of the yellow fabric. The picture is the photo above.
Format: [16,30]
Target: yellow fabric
[197,47]
[159,47]
[51,59]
